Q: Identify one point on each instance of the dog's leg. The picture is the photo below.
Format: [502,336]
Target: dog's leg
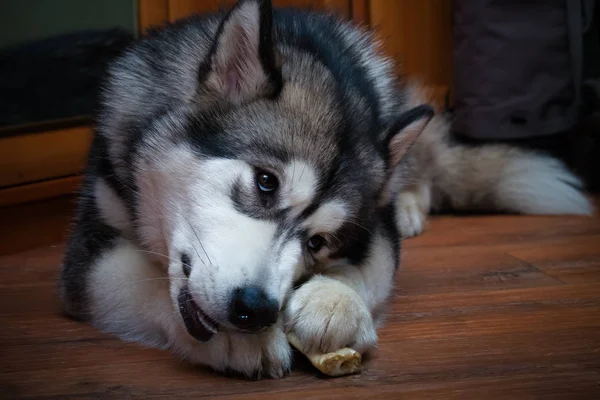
[339,307]
[412,208]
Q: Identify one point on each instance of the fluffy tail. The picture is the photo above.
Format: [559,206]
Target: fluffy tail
[503,178]
[437,173]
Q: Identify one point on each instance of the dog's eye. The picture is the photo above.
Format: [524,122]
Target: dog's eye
[266,181]
[316,243]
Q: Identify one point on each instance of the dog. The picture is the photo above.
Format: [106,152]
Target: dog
[252,174]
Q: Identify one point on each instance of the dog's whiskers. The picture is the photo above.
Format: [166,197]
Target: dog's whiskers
[302,173]
[200,243]
[157,254]
[161,278]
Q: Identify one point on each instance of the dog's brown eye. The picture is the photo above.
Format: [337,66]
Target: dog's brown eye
[267,182]
[316,243]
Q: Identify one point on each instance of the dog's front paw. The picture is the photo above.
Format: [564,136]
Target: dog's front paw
[327,315]
[263,355]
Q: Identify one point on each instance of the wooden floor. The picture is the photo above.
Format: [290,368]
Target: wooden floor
[485,308]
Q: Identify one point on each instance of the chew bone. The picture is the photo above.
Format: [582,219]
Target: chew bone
[341,362]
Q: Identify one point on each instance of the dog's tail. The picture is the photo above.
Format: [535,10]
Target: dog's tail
[507,179]
[494,177]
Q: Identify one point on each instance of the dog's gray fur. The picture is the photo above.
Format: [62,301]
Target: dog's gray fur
[170,198]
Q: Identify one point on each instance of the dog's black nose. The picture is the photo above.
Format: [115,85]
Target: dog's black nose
[252,309]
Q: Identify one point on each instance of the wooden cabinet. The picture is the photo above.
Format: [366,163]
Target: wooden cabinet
[416,33]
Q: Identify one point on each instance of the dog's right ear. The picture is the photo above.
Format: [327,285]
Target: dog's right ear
[242,62]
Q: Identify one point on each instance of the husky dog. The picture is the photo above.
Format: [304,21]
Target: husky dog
[252,174]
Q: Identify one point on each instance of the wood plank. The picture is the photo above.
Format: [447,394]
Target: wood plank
[31,225]
[34,157]
[568,262]
[149,380]
[476,231]
[452,269]
[39,190]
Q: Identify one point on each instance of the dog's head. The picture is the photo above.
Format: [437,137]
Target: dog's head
[269,170]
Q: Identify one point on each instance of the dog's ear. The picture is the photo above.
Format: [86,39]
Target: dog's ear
[242,62]
[404,132]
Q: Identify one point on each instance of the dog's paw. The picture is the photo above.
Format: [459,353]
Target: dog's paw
[410,215]
[327,315]
[254,356]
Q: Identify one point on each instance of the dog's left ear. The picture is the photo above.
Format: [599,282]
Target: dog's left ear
[405,130]
[242,62]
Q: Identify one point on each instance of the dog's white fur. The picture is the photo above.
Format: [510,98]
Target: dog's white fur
[300,186]
[111,208]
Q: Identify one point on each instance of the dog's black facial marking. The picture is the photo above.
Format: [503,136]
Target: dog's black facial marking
[194,318]
[186,264]
[310,210]
[354,241]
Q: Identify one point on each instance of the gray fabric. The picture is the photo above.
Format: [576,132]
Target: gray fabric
[518,66]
